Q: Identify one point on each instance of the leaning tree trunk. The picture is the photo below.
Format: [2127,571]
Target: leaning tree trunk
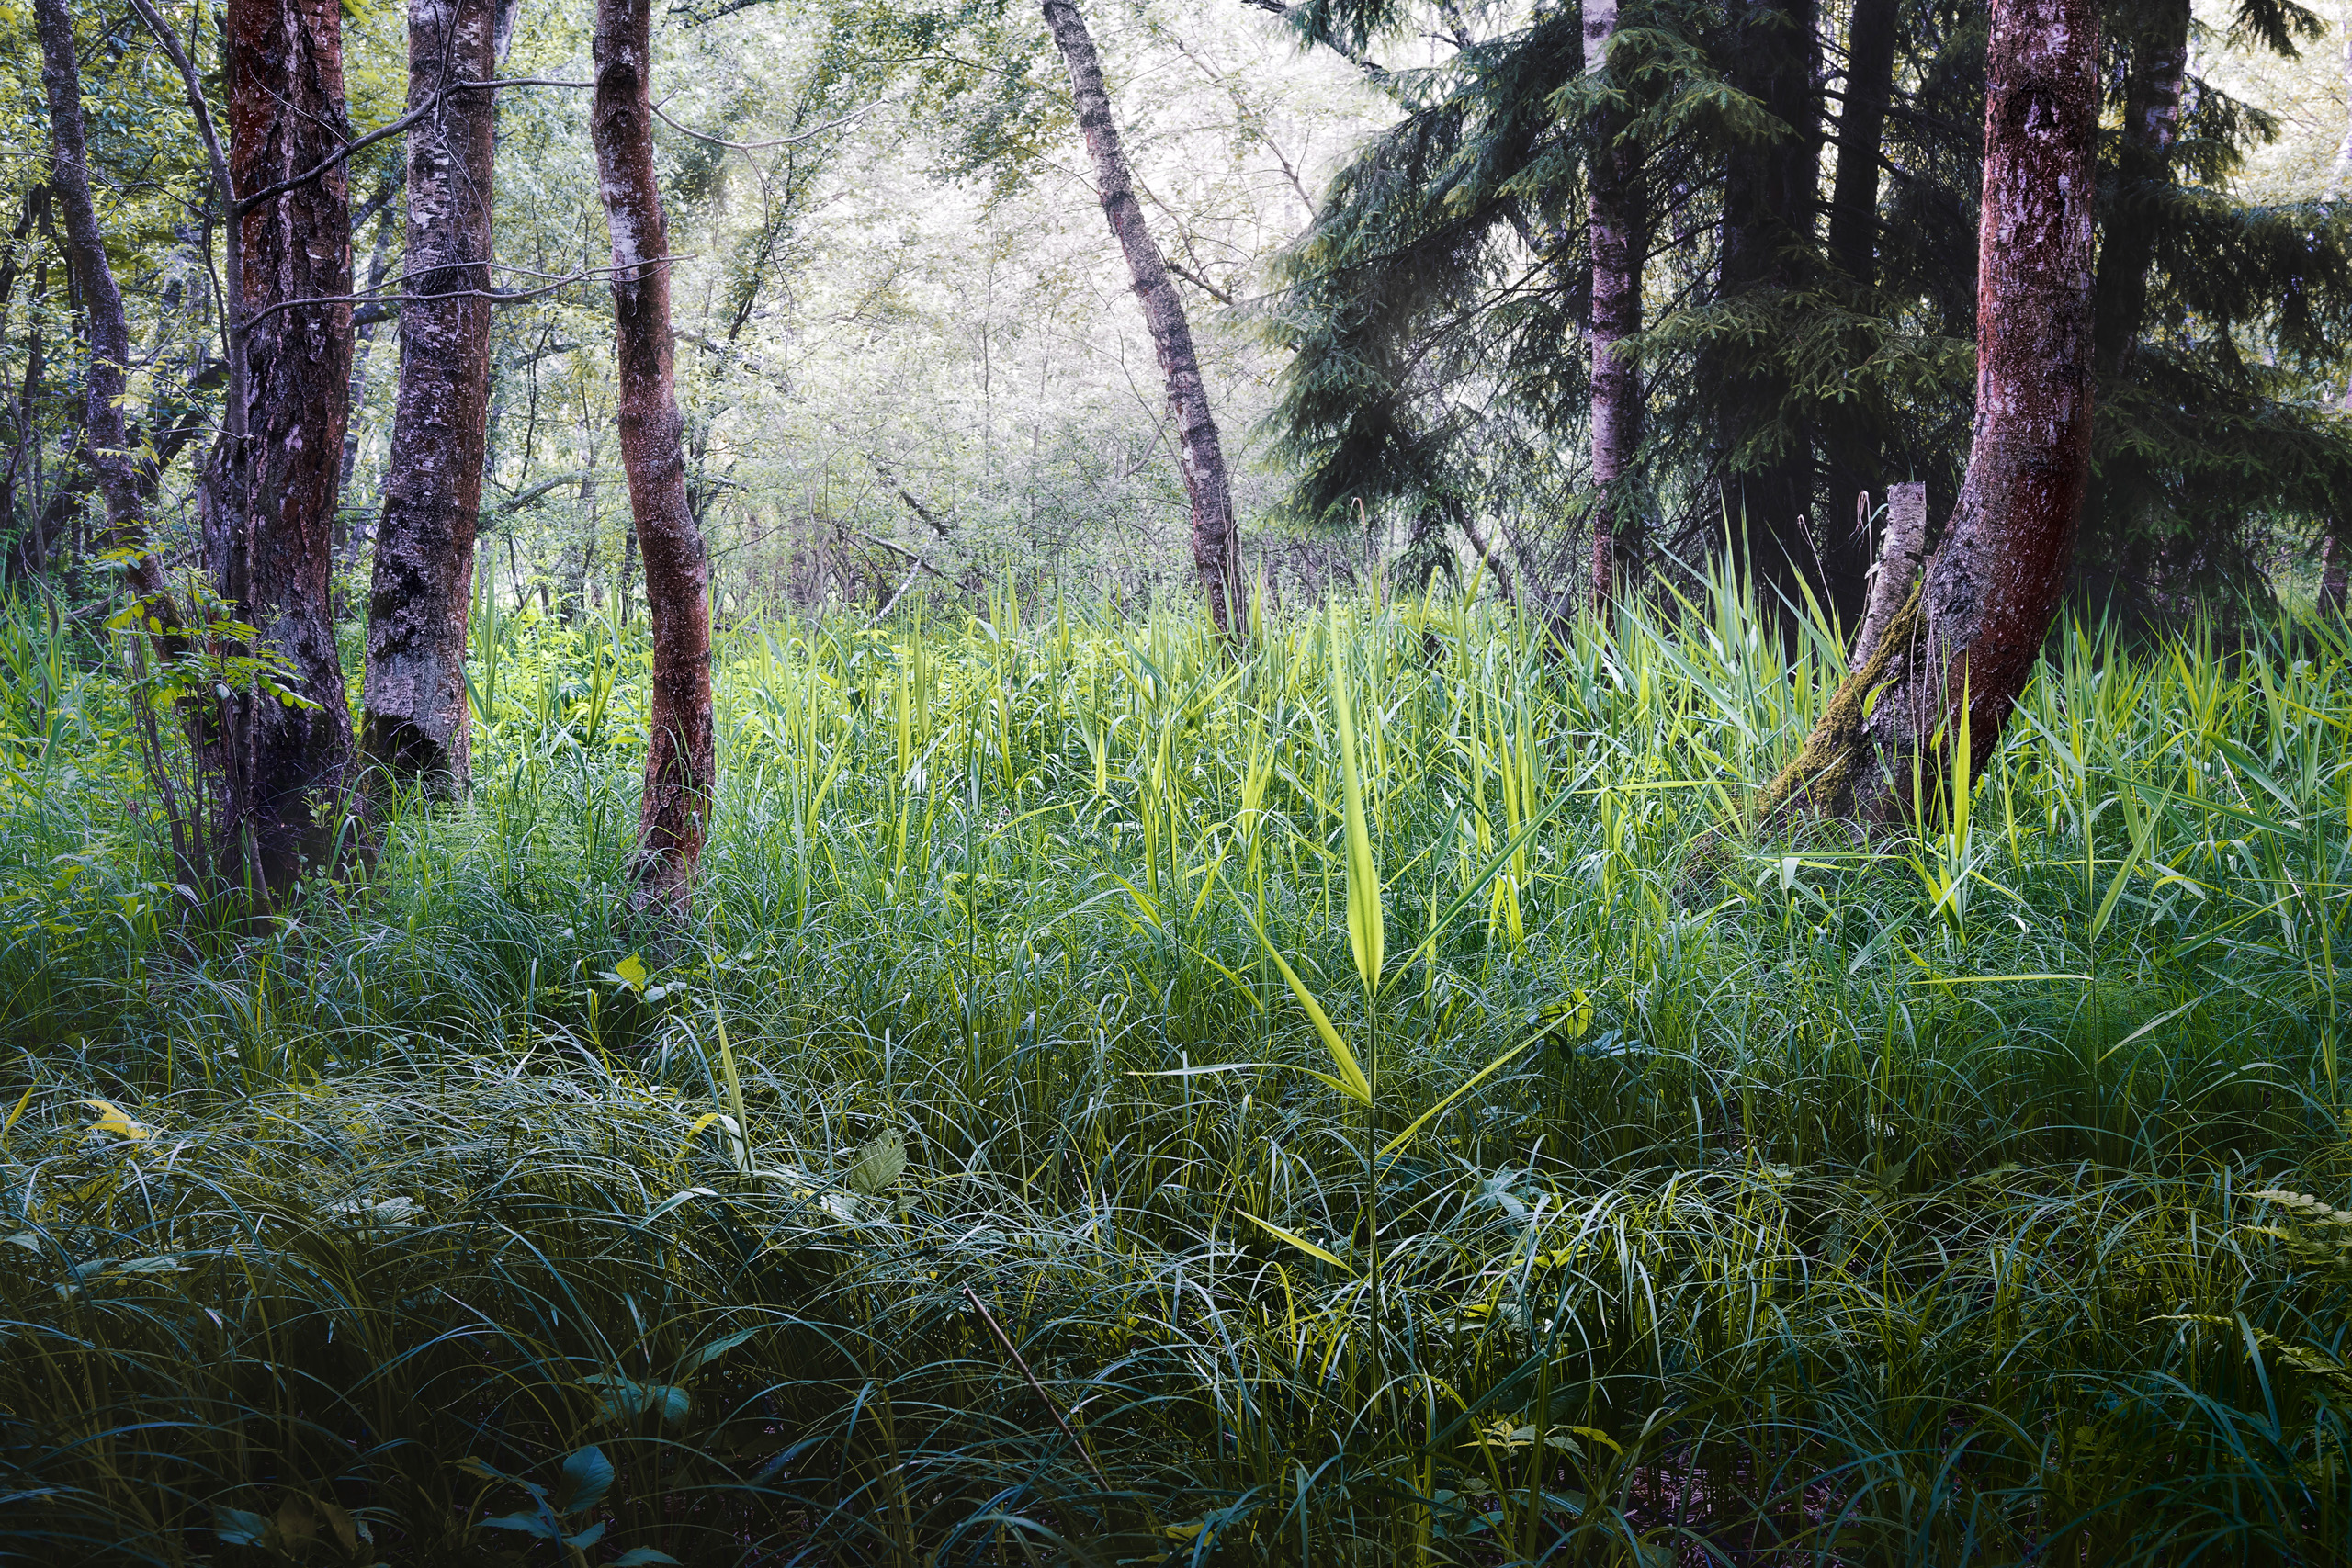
[280,770]
[415,724]
[106,432]
[1967,640]
[1617,247]
[679,764]
[1215,541]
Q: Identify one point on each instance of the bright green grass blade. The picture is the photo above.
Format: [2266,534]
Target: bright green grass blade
[1299,1242]
[1365,932]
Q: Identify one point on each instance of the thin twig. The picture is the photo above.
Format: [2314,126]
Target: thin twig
[809,135]
[1037,1388]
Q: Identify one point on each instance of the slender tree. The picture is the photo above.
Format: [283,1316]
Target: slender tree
[679,761]
[1862,136]
[1955,659]
[1199,452]
[1618,248]
[2156,45]
[106,427]
[415,724]
[1771,210]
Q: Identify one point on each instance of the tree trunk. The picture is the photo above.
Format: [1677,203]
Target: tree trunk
[1861,128]
[2159,61]
[415,724]
[1215,542]
[679,761]
[268,498]
[1772,201]
[2334,567]
[1617,257]
[1966,641]
[105,433]
[2156,53]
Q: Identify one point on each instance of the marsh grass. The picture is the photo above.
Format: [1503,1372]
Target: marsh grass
[1831,1202]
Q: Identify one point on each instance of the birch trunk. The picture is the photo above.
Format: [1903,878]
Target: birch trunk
[679,761]
[1617,247]
[415,723]
[1215,543]
[268,500]
[1965,643]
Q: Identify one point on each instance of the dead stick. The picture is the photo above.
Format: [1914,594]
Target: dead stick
[1039,1389]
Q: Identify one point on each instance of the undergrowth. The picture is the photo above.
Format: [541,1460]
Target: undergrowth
[968,1184]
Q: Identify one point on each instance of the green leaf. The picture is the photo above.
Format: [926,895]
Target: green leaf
[1299,1242]
[587,1476]
[878,1164]
[529,1524]
[235,1527]
[1489,1070]
[1351,1081]
[630,972]
[717,1348]
[625,1399]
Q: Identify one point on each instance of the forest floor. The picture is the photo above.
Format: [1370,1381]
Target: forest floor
[970,1182]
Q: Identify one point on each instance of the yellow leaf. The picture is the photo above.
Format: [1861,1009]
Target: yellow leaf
[632,970]
[114,1124]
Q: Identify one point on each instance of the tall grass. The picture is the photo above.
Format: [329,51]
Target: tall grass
[971,1183]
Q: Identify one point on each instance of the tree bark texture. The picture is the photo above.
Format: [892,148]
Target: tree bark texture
[415,724]
[106,432]
[269,497]
[1967,640]
[1617,255]
[679,761]
[1215,540]
[1861,129]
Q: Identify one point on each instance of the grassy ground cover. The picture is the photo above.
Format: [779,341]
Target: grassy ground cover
[970,1184]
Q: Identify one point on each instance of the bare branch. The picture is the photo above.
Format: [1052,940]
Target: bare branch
[268,192]
[810,135]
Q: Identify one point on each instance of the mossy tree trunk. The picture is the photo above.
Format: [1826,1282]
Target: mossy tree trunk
[1617,257]
[1966,641]
[281,772]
